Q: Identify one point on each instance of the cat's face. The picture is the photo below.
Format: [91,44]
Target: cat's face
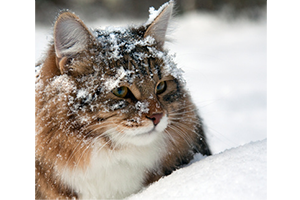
[126,89]
[116,84]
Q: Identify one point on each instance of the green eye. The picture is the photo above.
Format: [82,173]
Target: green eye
[161,87]
[120,91]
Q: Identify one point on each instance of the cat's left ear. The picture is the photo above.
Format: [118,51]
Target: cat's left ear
[71,37]
[158,27]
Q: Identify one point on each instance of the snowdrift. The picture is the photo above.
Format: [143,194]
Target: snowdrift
[239,173]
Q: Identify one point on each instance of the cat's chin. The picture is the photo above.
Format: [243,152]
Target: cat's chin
[146,135]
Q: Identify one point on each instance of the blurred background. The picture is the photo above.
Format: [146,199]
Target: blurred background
[221,45]
[45,10]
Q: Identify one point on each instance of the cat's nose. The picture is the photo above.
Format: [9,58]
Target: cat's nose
[155,118]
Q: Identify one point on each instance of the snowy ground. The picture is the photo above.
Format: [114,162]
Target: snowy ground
[225,69]
[235,174]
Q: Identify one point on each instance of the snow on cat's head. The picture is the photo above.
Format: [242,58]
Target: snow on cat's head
[119,73]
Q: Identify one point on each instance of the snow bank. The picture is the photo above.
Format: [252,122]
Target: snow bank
[239,173]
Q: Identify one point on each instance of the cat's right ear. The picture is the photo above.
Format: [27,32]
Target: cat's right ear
[71,36]
[158,27]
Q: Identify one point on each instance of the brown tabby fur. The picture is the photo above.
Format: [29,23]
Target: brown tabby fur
[64,139]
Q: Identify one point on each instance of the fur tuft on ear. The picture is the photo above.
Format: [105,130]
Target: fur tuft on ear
[70,35]
[158,21]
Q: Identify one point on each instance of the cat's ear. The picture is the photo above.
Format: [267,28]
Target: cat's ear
[158,27]
[71,36]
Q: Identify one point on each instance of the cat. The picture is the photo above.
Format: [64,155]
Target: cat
[112,111]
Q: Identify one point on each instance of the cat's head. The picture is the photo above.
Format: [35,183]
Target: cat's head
[118,83]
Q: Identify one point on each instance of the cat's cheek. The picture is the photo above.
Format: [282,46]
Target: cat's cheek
[163,124]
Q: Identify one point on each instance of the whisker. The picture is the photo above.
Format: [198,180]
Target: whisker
[184,107]
[201,137]
[194,120]
[178,132]
[94,140]
[170,135]
[76,149]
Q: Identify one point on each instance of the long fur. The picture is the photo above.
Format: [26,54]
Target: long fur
[91,143]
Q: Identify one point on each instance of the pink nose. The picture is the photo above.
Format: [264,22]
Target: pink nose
[155,118]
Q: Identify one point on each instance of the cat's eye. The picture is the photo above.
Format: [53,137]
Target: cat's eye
[161,87]
[120,91]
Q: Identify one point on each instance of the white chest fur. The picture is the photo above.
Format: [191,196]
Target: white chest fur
[115,174]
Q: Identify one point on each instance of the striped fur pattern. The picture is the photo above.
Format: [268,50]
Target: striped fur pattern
[92,141]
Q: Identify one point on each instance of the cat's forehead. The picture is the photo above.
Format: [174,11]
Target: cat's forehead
[124,55]
[120,35]
[115,42]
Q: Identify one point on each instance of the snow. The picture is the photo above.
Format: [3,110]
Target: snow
[112,39]
[112,83]
[239,173]
[154,13]
[225,70]
[142,107]
[82,93]
[224,64]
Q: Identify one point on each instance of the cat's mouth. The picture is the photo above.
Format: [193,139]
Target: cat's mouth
[142,135]
[150,129]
